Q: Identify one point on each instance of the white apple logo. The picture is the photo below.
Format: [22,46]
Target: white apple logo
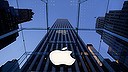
[59,57]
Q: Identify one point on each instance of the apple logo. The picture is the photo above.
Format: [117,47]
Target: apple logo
[59,57]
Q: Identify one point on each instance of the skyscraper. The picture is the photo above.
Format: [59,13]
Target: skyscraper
[61,35]
[10,66]
[9,20]
[100,24]
[115,33]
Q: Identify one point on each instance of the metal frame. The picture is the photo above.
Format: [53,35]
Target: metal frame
[78,15]
[18,30]
[83,29]
[46,3]
[22,33]
[77,28]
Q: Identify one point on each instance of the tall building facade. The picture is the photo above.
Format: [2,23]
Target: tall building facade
[9,20]
[115,33]
[10,66]
[61,35]
[100,24]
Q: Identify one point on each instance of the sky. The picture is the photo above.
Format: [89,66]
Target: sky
[65,9]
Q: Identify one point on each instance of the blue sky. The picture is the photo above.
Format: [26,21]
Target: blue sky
[66,9]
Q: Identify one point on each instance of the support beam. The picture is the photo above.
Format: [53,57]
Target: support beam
[46,4]
[18,30]
[86,29]
[10,33]
[47,14]
[78,14]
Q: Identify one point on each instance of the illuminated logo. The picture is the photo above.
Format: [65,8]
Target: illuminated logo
[59,57]
[61,32]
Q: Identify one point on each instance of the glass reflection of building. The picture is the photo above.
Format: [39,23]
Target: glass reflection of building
[115,33]
[60,35]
